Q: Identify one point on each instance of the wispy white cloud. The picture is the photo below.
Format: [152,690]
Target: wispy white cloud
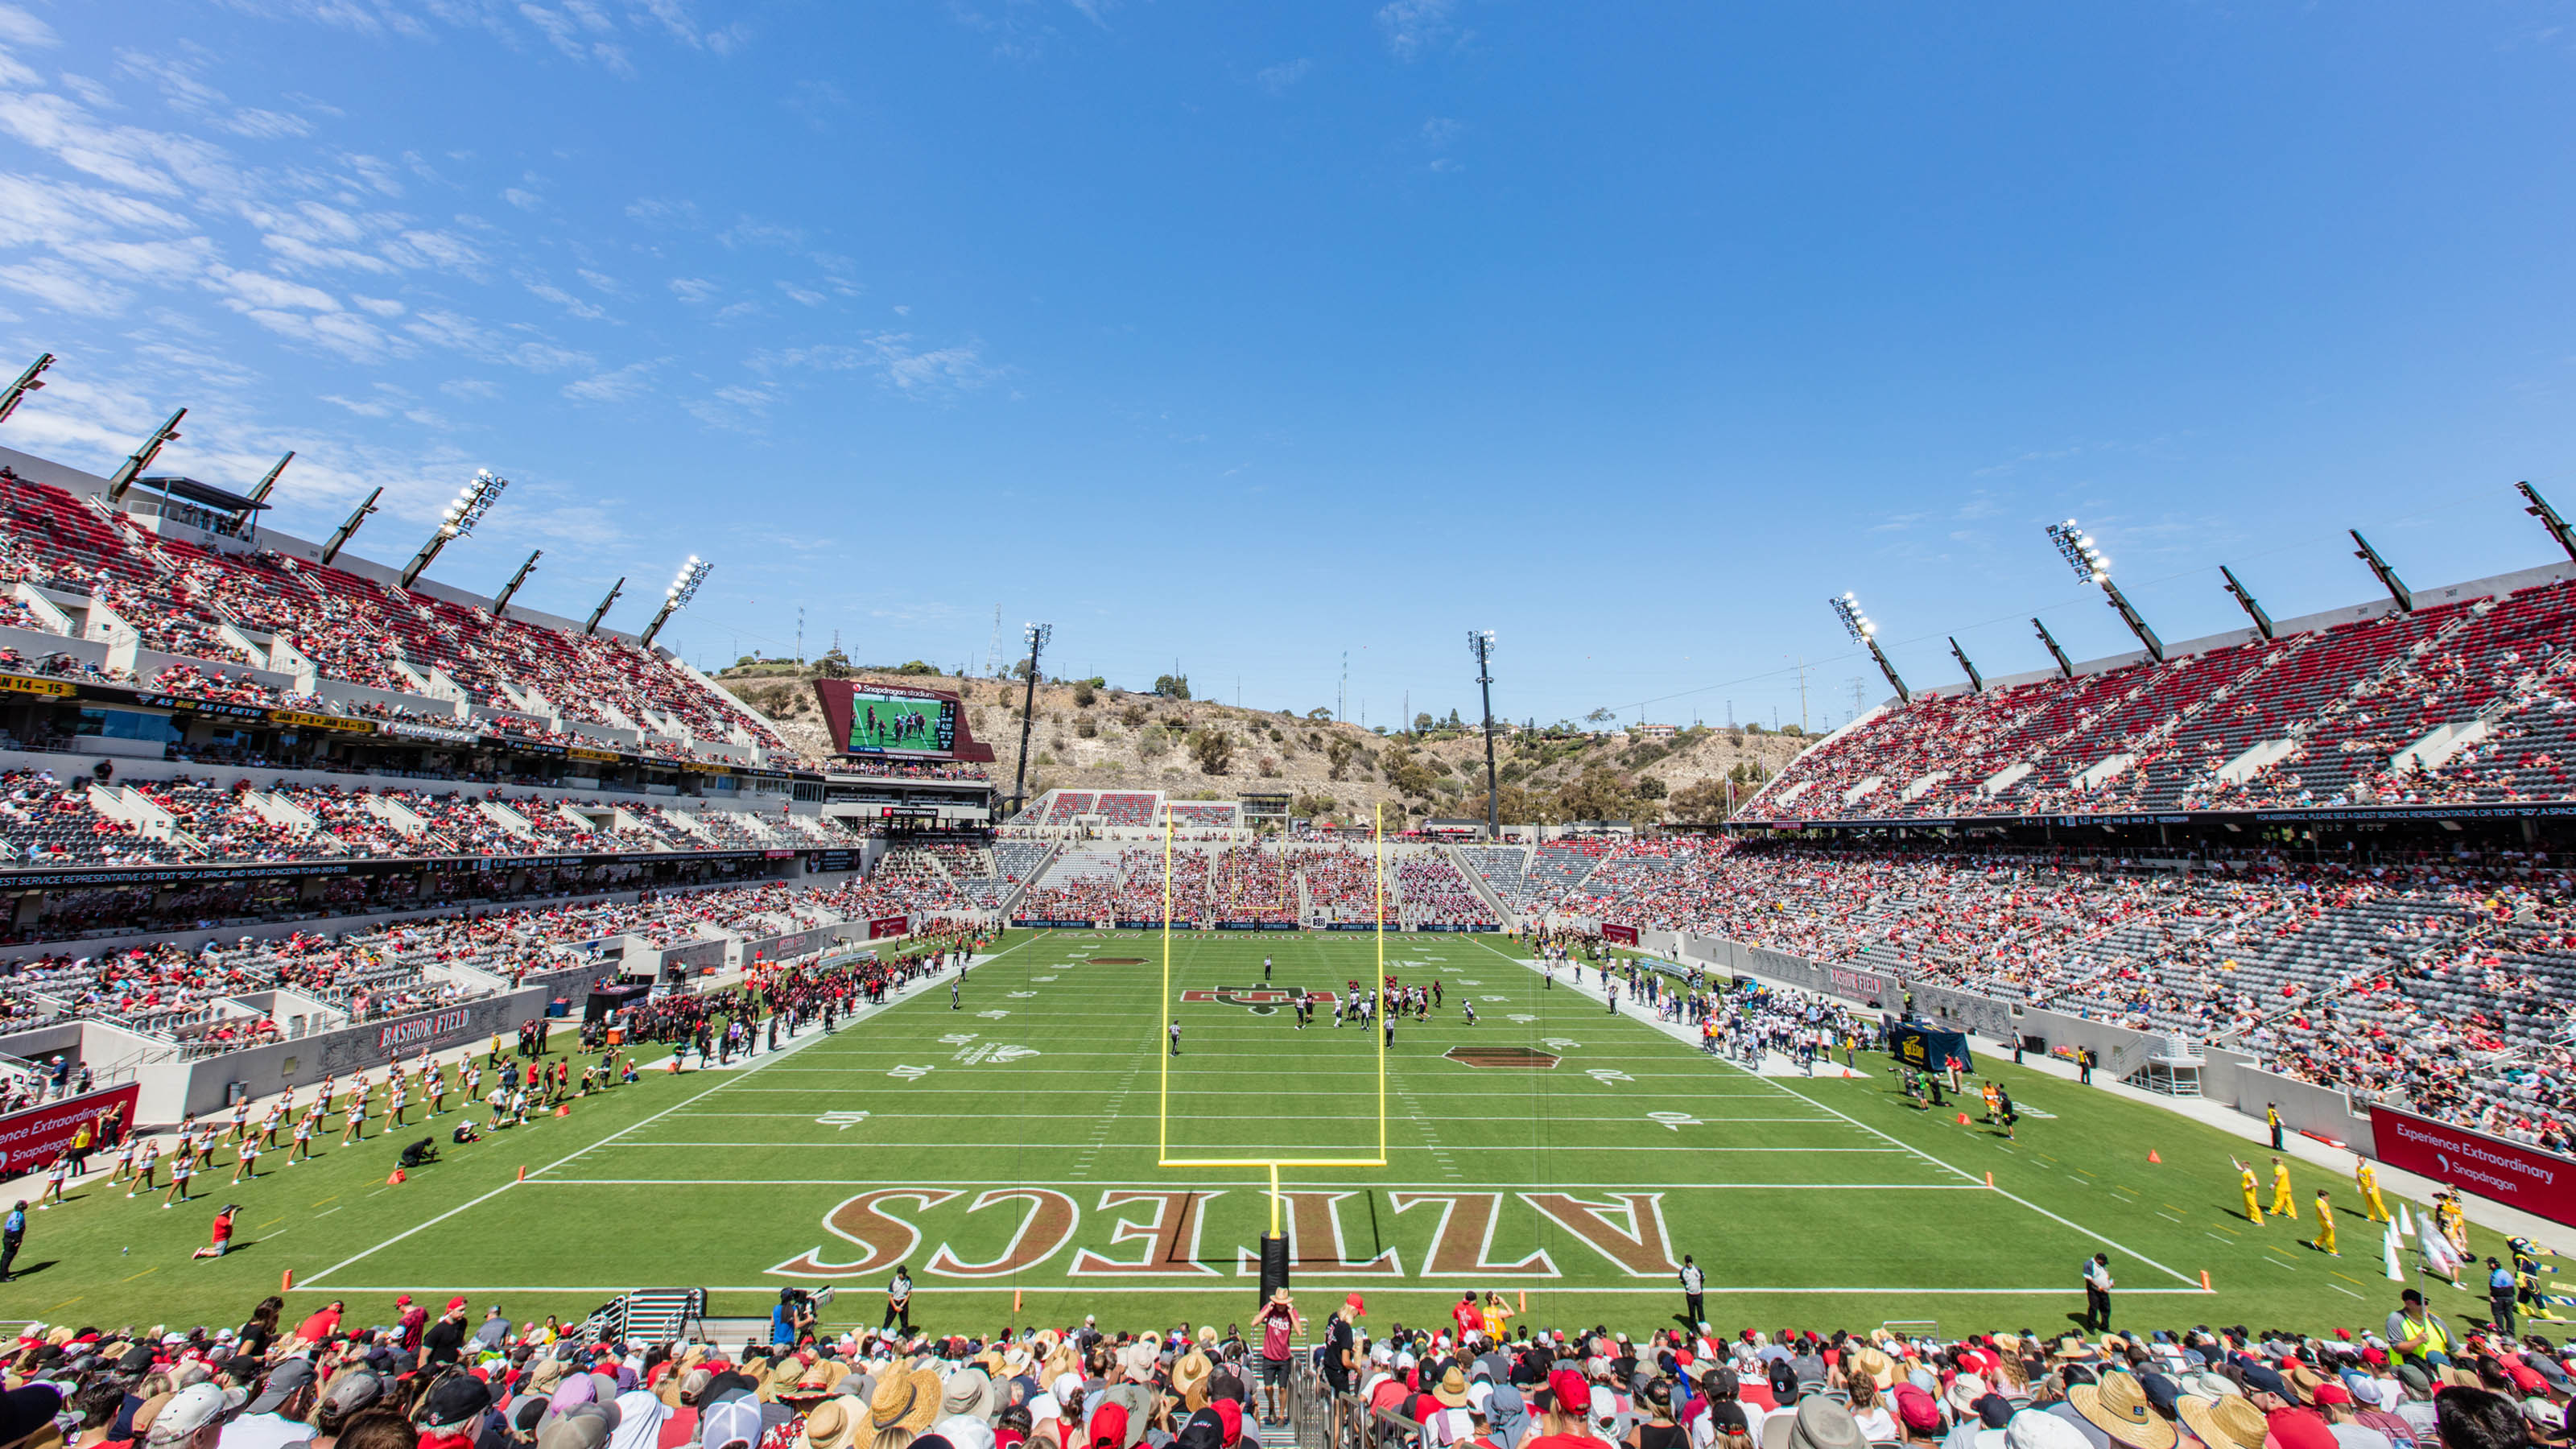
[1276,79]
[621,385]
[1414,28]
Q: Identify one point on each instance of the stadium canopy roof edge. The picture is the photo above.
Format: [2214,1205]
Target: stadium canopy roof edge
[195,492]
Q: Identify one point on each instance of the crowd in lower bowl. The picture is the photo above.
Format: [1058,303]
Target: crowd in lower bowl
[468,1380]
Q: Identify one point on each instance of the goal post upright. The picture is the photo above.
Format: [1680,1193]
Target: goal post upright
[1275,1256]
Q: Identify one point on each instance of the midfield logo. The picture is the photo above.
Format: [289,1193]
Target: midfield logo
[1259,1000]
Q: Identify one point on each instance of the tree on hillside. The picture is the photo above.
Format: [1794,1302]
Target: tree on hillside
[1213,749]
[915,666]
[1600,794]
[1337,757]
[1423,721]
[1409,775]
[1085,693]
[1601,715]
[1319,714]
[1172,686]
[1517,806]
[1701,804]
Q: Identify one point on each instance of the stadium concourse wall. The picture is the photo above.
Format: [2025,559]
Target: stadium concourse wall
[2228,1077]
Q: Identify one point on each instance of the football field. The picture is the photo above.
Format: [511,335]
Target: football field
[1039,1142]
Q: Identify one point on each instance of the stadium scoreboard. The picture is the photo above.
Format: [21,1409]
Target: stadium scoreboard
[882,720]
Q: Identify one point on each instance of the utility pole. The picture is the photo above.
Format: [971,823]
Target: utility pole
[1342,700]
[1481,641]
[1802,694]
[800,633]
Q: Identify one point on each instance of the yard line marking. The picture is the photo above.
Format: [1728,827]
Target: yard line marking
[2207,1234]
[920,987]
[1779,1086]
[2339,1288]
[147,1270]
[2169,1215]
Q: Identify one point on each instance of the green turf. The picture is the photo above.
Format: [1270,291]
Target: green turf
[1028,1119]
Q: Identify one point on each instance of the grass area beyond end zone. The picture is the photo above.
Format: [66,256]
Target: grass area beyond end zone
[1008,1146]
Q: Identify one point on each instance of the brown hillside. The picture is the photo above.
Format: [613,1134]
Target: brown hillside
[1114,739]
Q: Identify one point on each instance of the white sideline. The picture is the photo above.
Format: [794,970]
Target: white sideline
[888,1004]
[1682,1033]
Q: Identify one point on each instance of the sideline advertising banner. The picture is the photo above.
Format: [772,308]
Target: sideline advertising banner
[2524,1177]
[29,1139]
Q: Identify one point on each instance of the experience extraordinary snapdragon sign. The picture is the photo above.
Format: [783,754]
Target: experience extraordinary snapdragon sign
[29,1139]
[2524,1177]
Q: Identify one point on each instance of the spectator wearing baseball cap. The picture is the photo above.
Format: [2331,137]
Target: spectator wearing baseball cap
[276,1416]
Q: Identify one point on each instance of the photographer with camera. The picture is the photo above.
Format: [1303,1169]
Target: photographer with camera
[792,1319]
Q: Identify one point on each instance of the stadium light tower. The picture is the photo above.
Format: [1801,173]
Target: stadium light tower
[501,604]
[141,458]
[601,612]
[2539,509]
[28,381]
[1865,633]
[357,515]
[268,484]
[1976,681]
[2064,667]
[2245,596]
[1480,642]
[2387,576]
[458,519]
[684,587]
[1037,635]
[2076,547]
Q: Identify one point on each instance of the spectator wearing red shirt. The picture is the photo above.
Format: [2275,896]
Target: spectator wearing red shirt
[1467,1316]
[321,1325]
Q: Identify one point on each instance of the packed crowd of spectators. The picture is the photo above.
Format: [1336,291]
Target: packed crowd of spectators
[2447,986]
[387,1374]
[2342,710]
[178,597]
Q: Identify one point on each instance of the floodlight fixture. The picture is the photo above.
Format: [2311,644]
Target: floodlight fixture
[458,519]
[1864,633]
[29,381]
[1480,643]
[684,587]
[2092,566]
[1037,636]
[141,458]
[2539,508]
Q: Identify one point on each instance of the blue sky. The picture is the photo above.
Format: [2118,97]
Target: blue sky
[1245,336]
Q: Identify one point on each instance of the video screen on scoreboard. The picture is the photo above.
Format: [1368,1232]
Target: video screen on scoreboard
[884,724]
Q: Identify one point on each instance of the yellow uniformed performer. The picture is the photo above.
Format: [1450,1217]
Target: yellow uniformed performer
[2454,1221]
[2365,1176]
[2245,1183]
[2324,1241]
[2283,1204]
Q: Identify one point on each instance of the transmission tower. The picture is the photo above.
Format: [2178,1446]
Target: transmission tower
[993,653]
